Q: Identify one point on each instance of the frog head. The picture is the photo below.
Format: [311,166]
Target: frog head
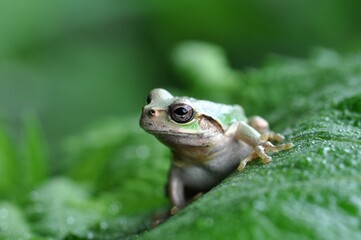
[179,121]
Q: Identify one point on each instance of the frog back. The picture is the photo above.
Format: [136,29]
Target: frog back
[224,114]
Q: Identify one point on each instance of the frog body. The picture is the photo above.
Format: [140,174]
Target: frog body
[208,141]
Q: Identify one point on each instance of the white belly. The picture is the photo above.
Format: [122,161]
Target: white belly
[205,176]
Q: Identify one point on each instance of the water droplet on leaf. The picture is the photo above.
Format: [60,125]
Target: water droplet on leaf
[104,225]
[70,220]
[90,235]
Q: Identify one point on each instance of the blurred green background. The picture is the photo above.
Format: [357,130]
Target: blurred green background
[75,74]
[75,62]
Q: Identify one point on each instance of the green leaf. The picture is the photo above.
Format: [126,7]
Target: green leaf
[35,160]
[12,223]
[8,164]
[61,207]
[124,163]
[117,228]
[88,153]
[204,66]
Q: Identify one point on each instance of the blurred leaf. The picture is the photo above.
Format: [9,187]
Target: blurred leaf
[35,161]
[13,224]
[118,228]
[8,164]
[88,153]
[204,66]
[61,207]
[291,86]
[123,162]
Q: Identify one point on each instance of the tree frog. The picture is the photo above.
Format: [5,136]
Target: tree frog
[208,141]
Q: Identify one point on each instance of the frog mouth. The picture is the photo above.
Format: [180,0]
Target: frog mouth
[170,132]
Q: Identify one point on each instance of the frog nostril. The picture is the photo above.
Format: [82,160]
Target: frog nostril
[151,112]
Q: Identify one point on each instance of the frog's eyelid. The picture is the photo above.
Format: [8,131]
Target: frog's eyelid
[181,100]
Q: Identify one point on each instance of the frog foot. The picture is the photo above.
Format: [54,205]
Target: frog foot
[272,136]
[261,151]
[244,162]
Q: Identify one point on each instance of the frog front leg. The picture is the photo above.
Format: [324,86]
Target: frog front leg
[176,189]
[259,142]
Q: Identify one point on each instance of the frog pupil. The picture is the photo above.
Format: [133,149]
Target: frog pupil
[181,111]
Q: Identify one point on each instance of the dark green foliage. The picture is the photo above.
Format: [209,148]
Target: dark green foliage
[34,164]
[8,164]
[25,166]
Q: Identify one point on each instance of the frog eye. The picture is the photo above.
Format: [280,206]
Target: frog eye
[181,113]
